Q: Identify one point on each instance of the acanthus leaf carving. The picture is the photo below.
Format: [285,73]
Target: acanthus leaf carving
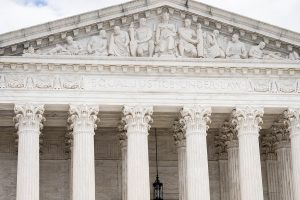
[195,118]
[83,118]
[179,133]
[29,117]
[247,119]
[137,118]
[292,119]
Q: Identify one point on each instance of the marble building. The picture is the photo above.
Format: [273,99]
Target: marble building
[81,97]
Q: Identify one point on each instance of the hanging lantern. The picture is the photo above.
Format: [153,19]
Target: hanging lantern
[157,185]
[158,189]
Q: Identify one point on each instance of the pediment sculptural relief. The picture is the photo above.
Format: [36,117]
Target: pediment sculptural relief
[164,39]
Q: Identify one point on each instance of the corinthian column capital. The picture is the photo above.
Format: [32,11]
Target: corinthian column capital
[179,134]
[248,119]
[29,117]
[137,118]
[195,118]
[83,118]
[292,119]
[122,134]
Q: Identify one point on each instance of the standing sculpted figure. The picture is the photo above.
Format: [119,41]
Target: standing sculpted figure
[71,48]
[98,45]
[213,47]
[187,40]
[119,43]
[235,48]
[165,37]
[200,40]
[141,39]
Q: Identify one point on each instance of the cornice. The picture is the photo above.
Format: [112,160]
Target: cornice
[155,66]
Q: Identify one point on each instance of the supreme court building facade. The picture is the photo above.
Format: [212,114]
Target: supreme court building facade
[80,99]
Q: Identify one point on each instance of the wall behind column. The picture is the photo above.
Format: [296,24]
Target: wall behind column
[54,165]
[8,163]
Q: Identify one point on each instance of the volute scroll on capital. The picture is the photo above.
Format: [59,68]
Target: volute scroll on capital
[248,119]
[83,117]
[29,116]
[195,118]
[292,120]
[137,118]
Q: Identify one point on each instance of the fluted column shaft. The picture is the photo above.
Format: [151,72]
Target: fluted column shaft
[29,119]
[224,186]
[233,170]
[248,120]
[181,151]
[284,170]
[293,115]
[123,144]
[295,149]
[195,119]
[137,120]
[272,176]
[83,119]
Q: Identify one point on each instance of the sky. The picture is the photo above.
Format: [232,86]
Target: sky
[17,14]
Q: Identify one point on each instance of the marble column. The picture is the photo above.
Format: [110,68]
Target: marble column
[283,151]
[223,170]
[268,154]
[123,146]
[29,118]
[293,118]
[195,119]
[272,176]
[233,169]
[229,134]
[180,143]
[248,121]
[83,119]
[137,120]
[69,151]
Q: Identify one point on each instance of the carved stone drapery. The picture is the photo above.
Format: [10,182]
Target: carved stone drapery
[248,121]
[138,119]
[195,119]
[292,116]
[83,121]
[180,142]
[29,119]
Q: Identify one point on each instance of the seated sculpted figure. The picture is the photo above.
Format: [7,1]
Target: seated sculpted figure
[119,43]
[29,51]
[98,45]
[187,40]
[213,47]
[256,52]
[235,48]
[165,37]
[71,48]
[141,39]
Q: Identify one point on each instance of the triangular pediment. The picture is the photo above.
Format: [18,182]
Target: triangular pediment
[83,27]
